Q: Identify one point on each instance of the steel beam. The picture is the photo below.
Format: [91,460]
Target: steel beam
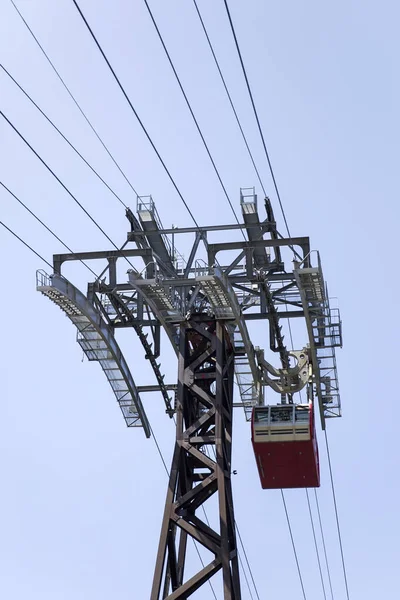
[204,408]
[133,235]
[59,259]
[302,242]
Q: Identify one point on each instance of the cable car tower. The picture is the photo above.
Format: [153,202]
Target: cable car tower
[206,306]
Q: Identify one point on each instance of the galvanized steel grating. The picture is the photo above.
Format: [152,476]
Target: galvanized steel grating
[98,343]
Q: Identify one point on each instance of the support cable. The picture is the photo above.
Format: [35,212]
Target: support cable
[62,135]
[45,226]
[247,561]
[323,543]
[315,543]
[26,244]
[337,516]
[229,98]
[74,100]
[63,185]
[293,545]
[245,575]
[256,116]
[135,113]
[192,113]
[159,451]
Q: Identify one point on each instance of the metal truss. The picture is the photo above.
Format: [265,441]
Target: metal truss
[254,285]
[204,407]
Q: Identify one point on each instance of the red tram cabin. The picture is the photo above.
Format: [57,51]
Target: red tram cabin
[285,446]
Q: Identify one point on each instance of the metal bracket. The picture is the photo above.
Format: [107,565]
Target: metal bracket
[290,380]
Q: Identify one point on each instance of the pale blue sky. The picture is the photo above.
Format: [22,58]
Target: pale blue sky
[82,496]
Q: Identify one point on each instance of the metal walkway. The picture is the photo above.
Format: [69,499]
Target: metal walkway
[325,334]
[167,307]
[248,204]
[98,343]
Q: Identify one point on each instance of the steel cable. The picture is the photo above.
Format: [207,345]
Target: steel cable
[256,117]
[315,543]
[247,560]
[57,178]
[293,545]
[229,97]
[192,113]
[62,135]
[26,244]
[135,112]
[323,543]
[45,226]
[74,99]
[337,516]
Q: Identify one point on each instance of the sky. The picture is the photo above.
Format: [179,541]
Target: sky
[82,496]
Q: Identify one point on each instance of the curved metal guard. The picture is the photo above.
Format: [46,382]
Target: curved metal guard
[98,343]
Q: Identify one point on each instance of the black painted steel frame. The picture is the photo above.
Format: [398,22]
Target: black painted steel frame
[203,419]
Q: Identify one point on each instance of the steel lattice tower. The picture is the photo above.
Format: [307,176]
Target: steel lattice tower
[204,304]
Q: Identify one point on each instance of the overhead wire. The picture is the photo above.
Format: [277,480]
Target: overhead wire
[337,516]
[62,135]
[26,244]
[87,213]
[74,99]
[44,225]
[237,116]
[56,177]
[135,113]
[192,112]
[316,544]
[229,97]
[256,117]
[245,576]
[323,543]
[293,545]
[247,560]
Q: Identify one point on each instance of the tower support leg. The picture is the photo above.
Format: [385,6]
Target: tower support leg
[201,466]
